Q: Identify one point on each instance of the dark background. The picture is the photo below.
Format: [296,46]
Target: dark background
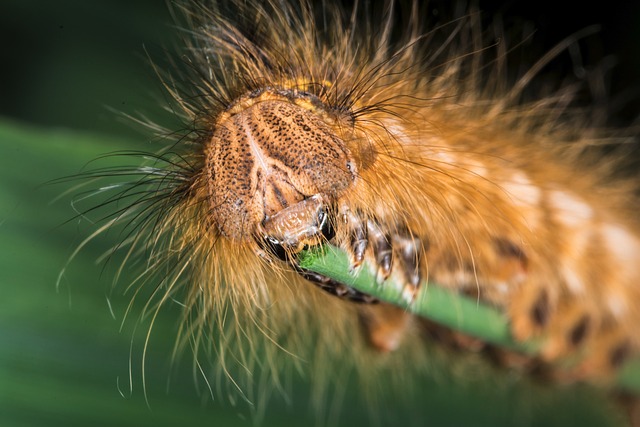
[64,62]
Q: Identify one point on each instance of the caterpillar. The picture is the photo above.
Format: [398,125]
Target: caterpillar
[402,146]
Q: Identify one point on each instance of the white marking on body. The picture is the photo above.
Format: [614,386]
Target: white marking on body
[569,209]
[479,169]
[444,157]
[617,305]
[573,281]
[255,148]
[437,149]
[502,287]
[526,196]
[621,242]
[522,190]
[398,132]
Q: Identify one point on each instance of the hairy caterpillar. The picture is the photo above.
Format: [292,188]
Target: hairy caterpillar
[404,149]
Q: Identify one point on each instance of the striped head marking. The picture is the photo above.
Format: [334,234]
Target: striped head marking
[268,157]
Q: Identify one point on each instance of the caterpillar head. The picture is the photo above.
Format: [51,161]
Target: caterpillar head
[273,166]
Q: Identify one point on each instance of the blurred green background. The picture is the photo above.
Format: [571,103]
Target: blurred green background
[63,358]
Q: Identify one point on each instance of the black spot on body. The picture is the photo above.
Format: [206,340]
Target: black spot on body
[509,249]
[579,331]
[619,355]
[540,310]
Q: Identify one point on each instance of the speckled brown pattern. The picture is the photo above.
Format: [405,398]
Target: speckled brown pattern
[268,157]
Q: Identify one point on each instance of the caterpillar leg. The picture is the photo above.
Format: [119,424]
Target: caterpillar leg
[389,253]
[384,325]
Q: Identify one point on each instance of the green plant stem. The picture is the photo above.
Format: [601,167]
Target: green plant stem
[445,307]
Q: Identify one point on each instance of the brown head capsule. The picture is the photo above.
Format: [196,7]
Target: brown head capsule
[270,156]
